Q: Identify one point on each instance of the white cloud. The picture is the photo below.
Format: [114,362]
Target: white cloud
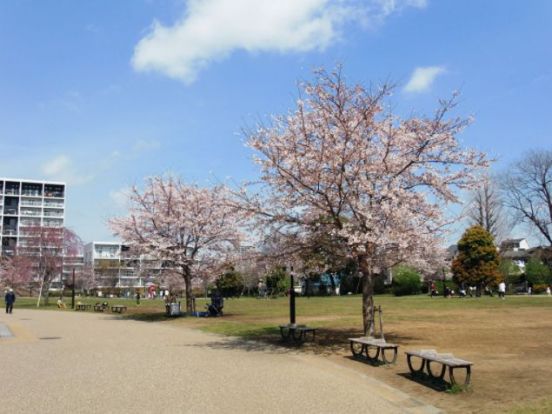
[422,78]
[120,197]
[390,6]
[56,165]
[62,168]
[144,145]
[210,30]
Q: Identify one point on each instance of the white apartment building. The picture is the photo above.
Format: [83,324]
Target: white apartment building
[27,204]
[115,268]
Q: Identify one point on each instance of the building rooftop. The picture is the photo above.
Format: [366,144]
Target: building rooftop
[32,181]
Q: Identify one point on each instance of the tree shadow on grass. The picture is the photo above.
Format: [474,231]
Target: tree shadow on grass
[143,317]
[268,339]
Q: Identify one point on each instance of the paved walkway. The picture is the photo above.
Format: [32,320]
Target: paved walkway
[69,362]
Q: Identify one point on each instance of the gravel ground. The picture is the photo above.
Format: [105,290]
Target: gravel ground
[61,362]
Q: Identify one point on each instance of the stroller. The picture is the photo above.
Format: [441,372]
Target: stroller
[216,305]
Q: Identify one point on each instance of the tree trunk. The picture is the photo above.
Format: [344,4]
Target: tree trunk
[368,302]
[188,289]
[40,292]
[332,282]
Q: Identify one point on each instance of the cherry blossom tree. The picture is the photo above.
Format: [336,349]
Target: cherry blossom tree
[343,162]
[46,247]
[191,228]
[15,271]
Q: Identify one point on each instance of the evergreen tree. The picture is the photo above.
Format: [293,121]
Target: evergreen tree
[477,261]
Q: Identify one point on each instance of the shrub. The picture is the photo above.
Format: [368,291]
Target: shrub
[541,288]
[537,272]
[406,281]
[277,281]
[230,284]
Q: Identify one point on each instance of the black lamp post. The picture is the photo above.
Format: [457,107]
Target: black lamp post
[73,291]
[291,299]
[444,284]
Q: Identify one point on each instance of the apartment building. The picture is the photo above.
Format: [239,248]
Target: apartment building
[115,268]
[27,204]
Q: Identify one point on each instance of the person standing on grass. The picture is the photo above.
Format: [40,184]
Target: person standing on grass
[501,290]
[10,300]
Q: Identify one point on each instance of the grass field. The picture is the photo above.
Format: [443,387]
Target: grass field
[510,341]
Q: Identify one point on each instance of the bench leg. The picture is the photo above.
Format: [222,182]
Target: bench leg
[412,370]
[430,373]
[389,361]
[298,338]
[355,351]
[285,332]
[468,375]
[372,358]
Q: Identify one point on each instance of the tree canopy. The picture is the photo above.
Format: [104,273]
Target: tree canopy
[378,181]
[192,229]
[477,261]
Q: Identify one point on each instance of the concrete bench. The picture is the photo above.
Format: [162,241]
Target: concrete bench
[82,307]
[296,332]
[429,356]
[118,308]
[360,347]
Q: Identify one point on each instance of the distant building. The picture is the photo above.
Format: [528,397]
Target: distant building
[514,245]
[28,204]
[516,250]
[112,266]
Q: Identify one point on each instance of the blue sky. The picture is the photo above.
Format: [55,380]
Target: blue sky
[103,93]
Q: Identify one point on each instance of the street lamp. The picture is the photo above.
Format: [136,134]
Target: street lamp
[73,290]
[291,298]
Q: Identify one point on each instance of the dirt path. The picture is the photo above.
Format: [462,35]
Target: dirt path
[87,363]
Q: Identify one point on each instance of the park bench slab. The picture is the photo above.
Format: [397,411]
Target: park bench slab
[446,360]
[118,308]
[298,333]
[380,345]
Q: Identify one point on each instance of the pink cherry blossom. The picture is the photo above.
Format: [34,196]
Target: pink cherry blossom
[192,229]
[376,181]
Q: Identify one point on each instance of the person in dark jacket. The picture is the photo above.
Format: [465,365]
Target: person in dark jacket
[10,300]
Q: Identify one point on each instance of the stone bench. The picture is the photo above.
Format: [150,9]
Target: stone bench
[118,308]
[296,332]
[429,356]
[360,347]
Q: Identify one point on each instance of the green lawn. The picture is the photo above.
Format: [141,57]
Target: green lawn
[252,317]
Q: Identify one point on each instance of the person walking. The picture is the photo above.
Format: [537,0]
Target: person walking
[501,290]
[10,300]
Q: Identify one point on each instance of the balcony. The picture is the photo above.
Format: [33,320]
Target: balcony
[53,223]
[31,203]
[53,194]
[31,212]
[53,204]
[29,223]
[53,213]
[10,211]
[12,191]
[31,193]
[9,232]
